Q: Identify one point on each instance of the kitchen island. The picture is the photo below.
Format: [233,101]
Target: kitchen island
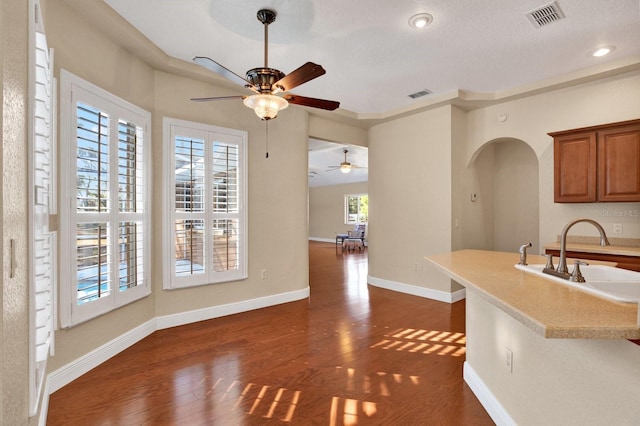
[539,352]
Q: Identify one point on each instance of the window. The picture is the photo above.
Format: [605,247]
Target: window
[105,224]
[205,212]
[356,208]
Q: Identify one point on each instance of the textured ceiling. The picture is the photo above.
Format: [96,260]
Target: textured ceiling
[488,49]
[374,60]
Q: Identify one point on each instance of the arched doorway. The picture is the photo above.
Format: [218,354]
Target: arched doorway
[507,173]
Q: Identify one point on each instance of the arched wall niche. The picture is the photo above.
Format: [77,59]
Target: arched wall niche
[506,172]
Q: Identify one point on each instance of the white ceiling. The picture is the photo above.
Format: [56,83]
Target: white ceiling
[374,60]
[488,49]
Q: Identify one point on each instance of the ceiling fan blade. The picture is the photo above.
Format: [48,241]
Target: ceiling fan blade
[217,98]
[212,65]
[312,102]
[306,72]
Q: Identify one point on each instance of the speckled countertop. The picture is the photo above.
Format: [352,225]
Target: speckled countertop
[550,309]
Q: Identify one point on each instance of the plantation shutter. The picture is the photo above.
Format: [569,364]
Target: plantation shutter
[42,242]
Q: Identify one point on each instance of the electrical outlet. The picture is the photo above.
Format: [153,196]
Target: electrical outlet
[617,228]
[264,274]
[508,358]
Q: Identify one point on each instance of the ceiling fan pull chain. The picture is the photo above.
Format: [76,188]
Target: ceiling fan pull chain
[266,127]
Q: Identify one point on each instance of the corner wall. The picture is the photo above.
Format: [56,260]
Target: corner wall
[410,197]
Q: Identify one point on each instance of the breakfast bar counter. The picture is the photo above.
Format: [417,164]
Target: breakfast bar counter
[548,308]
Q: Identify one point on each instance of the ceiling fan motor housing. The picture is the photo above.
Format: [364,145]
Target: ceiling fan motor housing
[266,16]
[264,78]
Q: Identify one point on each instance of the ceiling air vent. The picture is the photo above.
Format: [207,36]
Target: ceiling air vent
[421,93]
[545,15]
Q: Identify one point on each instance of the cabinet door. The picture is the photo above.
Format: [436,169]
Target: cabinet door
[619,164]
[575,168]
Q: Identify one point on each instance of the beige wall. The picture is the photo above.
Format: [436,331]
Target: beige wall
[85,52]
[508,185]
[419,177]
[278,220]
[516,197]
[328,130]
[530,119]
[326,209]
[410,197]
[476,227]
[14,45]
[554,381]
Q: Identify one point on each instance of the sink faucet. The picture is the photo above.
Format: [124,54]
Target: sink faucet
[562,269]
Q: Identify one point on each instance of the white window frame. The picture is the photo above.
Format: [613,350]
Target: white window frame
[73,89]
[346,209]
[209,133]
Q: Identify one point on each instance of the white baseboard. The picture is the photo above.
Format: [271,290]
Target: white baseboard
[497,412]
[183,318]
[68,373]
[428,293]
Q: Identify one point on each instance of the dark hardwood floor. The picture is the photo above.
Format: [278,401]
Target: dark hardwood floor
[351,354]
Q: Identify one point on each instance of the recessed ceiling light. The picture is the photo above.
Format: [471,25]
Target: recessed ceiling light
[420,20]
[601,51]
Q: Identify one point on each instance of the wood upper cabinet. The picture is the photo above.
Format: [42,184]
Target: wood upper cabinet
[597,164]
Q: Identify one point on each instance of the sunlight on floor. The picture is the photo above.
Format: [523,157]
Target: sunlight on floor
[424,341]
[350,409]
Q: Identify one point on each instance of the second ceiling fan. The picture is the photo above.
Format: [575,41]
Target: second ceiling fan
[268,82]
[345,166]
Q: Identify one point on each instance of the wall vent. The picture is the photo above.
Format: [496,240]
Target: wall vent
[421,93]
[545,15]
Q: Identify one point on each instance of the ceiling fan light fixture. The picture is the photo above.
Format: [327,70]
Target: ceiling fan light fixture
[345,167]
[266,106]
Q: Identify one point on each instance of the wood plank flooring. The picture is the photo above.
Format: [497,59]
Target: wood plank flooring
[351,354]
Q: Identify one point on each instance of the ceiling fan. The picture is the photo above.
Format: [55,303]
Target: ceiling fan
[345,166]
[268,82]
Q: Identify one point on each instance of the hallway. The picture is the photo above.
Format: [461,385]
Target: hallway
[351,354]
